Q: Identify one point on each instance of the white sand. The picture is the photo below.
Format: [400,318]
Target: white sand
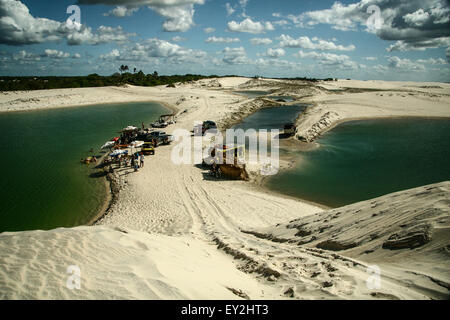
[179,204]
[395,99]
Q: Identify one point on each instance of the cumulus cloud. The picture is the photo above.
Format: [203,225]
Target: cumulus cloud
[154,49]
[250,26]
[275,53]
[221,40]
[19,27]
[413,23]
[179,14]
[121,11]
[178,39]
[276,63]
[438,61]
[313,44]
[230,9]
[404,65]
[49,53]
[260,41]
[329,59]
[419,44]
[24,56]
[209,30]
[234,56]
[102,35]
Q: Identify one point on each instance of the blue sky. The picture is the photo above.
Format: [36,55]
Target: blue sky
[367,39]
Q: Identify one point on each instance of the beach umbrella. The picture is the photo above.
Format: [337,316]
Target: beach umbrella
[116,153]
[108,144]
[129,128]
[137,144]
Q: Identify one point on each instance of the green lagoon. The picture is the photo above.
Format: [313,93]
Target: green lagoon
[43,184]
[360,160]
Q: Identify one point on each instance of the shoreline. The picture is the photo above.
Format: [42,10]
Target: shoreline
[112,184]
[341,121]
[248,107]
[285,247]
[313,145]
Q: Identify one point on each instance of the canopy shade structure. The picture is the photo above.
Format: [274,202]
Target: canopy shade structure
[108,144]
[116,153]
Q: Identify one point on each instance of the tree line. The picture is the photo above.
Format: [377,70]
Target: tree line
[123,77]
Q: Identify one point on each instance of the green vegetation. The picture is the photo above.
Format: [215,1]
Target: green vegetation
[95,80]
[123,77]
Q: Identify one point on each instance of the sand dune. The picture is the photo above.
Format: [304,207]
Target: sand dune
[116,264]
[405,232]
[181,217]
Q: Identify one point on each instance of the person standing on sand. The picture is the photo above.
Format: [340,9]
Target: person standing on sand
[142,160]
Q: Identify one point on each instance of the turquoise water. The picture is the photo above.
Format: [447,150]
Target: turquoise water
[271,118]
[360,160]
[252,94]
[285,98]
[44,185]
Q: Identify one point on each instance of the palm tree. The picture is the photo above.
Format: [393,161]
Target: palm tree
[123,68]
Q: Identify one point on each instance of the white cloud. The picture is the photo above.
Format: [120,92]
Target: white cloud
[152,49]
[49,53]
[371,58]
[281,22]
[419,45]
[221,40]
[329,59]
[19,27]
[414,23]
[110,56]
[438,61]
[25,56]
[230,9]
[102,35]
[404,65]
[417,19]
[121,11]
[76,56]
[179,14]
[275,53]
[235,56]
[260,41]
[314,44]
[209,30]
[250,26]
[178,39]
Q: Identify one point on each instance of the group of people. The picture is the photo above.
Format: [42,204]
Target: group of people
[136,161]
[127,137]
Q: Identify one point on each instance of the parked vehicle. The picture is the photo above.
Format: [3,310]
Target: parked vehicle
[159,137]
[205,126]
[148,148]
[289,129]
[221,166]
[164,121]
